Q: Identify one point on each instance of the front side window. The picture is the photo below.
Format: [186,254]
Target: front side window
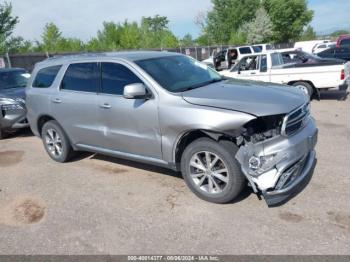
[83,77]
[45,77]
[179,73]
[245,50]
[115,77]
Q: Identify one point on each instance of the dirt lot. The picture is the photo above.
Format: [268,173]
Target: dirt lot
[99,205]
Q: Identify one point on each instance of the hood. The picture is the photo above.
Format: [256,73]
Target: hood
[13,93]
[255,98]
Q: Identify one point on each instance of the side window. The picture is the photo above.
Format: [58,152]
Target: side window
[263,67]
[115,77]
[245,50]
[45,77]
[276,59]
[83,77]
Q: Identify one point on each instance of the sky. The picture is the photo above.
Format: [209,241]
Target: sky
[83,18]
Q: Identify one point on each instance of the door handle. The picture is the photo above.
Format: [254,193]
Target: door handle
[57,101]
[253,73]
[106,106]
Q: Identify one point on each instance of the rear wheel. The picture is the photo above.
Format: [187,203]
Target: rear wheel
[211,171]
[56,142]
[305,87]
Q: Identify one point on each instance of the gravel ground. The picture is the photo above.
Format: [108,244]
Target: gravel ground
[101,205]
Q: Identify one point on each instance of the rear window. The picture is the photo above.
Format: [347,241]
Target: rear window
[245,50]
[82,77]
[45,77]
[276,59]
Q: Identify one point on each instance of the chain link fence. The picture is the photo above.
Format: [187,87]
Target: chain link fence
[200,53]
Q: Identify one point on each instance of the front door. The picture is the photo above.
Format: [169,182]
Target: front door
[128,125]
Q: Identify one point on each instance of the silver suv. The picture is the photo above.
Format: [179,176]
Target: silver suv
[171,110]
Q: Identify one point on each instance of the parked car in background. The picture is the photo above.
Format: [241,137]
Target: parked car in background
[336,52]
[227,58]
[302,58]
[308,46]
[270,67]
[12,100]
[262,48]
[343,41]
[171,110]
[323,46]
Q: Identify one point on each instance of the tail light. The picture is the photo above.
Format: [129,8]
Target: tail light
[342,74]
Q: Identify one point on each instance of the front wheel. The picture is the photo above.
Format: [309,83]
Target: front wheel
[211,171]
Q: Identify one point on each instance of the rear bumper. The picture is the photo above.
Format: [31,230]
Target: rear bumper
[343,87]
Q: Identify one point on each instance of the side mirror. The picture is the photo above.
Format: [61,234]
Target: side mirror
[135,91]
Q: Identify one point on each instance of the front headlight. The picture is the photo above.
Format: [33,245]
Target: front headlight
[262,164]
[9,107]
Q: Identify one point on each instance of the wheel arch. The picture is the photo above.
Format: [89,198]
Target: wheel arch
[188,137]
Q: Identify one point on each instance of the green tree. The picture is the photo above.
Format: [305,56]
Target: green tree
[308,34]
[17,45]
[289,17]
[227,16]
[131,36]
[187,41]
[7,24]
[340,32]
[259,30]
[51,38]
[155,32]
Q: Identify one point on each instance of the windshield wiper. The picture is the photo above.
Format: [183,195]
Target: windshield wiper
[202,84]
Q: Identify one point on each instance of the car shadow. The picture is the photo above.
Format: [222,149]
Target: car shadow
[246,192]
[301,188]
[137,165]
[25,132]
[334,95]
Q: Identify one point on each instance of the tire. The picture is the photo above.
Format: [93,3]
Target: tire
[2,135]
[221,191]
[57,147]
[306,87]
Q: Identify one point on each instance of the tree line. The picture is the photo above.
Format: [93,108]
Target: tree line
[233,22]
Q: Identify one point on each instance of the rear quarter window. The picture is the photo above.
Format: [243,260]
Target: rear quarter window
[45,77]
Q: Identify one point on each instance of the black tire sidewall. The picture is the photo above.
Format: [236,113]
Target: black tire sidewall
[66,147]
[236,179]
[308,87]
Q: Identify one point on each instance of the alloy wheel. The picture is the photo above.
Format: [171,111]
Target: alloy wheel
[53,142]
[209,172]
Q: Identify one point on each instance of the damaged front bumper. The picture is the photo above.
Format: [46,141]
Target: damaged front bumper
[277,167]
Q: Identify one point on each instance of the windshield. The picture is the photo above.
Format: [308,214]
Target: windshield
[179,73]
[13,79]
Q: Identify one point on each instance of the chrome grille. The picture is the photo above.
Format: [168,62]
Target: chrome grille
[296,120]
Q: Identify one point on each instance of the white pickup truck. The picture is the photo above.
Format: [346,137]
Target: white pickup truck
[269,67]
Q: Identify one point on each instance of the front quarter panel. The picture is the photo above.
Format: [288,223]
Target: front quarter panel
[177,118]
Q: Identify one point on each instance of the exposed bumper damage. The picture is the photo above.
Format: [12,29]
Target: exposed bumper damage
[277,166]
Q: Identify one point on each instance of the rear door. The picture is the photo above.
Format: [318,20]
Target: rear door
[129,125]
[74,104]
